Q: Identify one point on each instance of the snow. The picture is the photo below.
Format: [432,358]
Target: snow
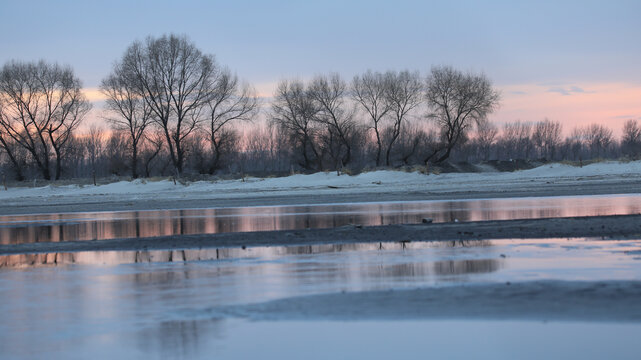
[604,168]
[322,182]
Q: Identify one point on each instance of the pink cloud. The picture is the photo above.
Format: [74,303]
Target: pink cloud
[610,104]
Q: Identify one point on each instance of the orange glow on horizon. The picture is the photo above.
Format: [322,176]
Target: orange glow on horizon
[94,94]
[610,104]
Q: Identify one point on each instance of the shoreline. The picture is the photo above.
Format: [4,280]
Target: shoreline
[107,203]
[324,188]
[614,226]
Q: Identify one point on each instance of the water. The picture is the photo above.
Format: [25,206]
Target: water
[164,309]
[241,339]
[172,304]
[107,225]
[237,339]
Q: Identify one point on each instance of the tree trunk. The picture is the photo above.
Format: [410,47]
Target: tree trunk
[215,161]
[395,134]
[387,154]
[379,147]
[179,165]
[134,161]
[445,156]
[44,168]
[58,164]
[172,153]
[348,157]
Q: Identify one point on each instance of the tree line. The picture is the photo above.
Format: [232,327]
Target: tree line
[173,110]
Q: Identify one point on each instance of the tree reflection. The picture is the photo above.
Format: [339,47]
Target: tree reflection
[179,339]
[207,254]
[459,267]
[110,225]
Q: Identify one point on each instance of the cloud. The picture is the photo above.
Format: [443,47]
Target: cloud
[569,90]
[626,117]
[518,92]
[559,90]
[576,89]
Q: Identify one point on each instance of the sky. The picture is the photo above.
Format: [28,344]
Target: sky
[577,62]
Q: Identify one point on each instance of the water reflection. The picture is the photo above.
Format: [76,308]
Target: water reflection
[459,267]
[161,309]
[109,225]
[207,254]
[180,339]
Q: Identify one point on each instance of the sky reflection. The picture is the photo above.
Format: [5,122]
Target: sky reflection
[163,309]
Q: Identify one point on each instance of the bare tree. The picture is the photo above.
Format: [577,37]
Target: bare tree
[258,149]
[230,102]
[575,143]
[42,105]
[176,81]
[94,146]
[151,148]
[411,141]
[9,146]
[547,137]
[116,145]
[329,93]
[631,139]
[457,102]
[486,134]
[598,138]
[279,150]
[403,92]
[130,112]
[227,142]
[294,111]
[370,90]
[516,140]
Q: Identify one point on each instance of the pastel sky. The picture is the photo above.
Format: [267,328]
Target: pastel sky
[577,62]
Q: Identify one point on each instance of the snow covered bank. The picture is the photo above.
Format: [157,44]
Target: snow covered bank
[383,179]
[319,187]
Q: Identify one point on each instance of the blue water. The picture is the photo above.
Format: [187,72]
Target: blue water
[161,310]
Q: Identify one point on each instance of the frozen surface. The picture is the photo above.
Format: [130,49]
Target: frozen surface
[18,229]
[170,310]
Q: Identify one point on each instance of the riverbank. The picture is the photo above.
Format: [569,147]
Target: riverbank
[322,188]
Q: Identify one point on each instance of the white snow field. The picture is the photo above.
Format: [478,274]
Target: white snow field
[329,183]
